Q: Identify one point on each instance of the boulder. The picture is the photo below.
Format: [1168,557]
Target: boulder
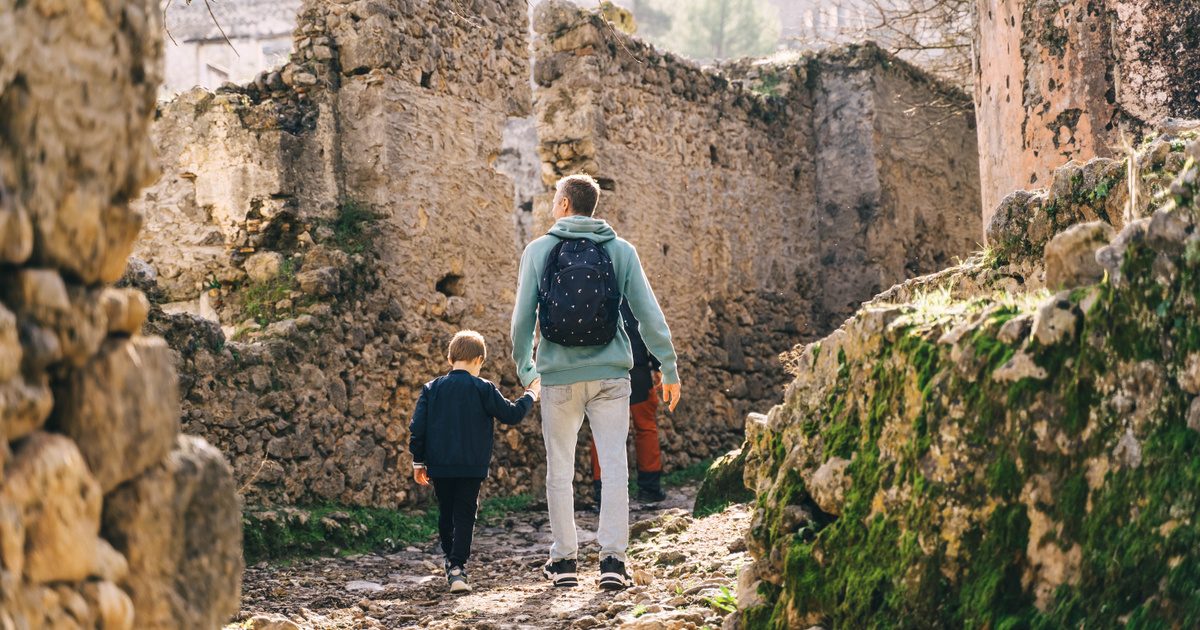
[1071,255]
[723,484]
[180,525]
[263,266]
[828,485]
[322,282]
[122,408]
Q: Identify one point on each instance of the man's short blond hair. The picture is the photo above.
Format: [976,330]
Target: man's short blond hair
[582,191]
[467,345]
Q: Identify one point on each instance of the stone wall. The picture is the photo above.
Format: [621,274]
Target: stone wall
[108,516]
[319,234]
[1064,80]
[766,200]
[340,219]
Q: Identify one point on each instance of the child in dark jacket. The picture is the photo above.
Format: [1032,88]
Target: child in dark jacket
[450,439]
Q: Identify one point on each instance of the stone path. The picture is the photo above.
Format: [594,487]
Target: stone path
[681,563]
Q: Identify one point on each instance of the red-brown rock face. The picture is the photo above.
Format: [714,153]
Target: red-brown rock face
[1063,79]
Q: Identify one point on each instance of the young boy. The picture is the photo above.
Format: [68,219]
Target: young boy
[451,444]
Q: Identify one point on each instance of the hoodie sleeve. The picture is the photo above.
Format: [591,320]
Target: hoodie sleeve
[652,323]
[417,427]
[524,320]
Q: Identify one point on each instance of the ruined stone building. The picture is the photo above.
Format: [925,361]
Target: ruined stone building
[320,232]
[232,44]
[110,517]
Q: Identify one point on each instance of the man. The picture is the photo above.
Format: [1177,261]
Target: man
[644,380]
[585,370]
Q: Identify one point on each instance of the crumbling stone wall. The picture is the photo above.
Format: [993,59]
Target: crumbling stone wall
[1064,80]
[767,200]
[108,516]
[340,219]
[335,222]
[1000,443]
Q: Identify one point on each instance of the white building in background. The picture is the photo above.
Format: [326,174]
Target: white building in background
[196,54]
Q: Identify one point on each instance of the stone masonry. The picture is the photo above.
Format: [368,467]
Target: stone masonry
[1063,80]
[108,516]
[319,234]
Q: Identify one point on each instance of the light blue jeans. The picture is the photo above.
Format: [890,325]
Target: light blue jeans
[606,405]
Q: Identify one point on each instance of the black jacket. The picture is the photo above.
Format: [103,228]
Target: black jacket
[640,381]
[451,428]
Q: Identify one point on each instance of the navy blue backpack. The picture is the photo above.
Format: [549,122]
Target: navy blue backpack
[579,301]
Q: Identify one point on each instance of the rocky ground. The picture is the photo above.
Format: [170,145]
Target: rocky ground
[682,566]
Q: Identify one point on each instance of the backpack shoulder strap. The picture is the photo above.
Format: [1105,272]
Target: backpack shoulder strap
[551,266]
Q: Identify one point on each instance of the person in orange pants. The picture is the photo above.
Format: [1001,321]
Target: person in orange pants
[645,381]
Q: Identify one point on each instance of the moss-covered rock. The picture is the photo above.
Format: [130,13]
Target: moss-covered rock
[1015,459]
[723,484]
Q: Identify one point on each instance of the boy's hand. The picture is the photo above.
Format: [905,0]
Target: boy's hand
[421,475]
[670,394]
[536,388]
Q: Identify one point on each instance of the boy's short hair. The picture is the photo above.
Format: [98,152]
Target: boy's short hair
[582,191]
[467,345]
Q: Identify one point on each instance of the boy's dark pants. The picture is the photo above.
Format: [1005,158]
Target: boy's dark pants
[458,501]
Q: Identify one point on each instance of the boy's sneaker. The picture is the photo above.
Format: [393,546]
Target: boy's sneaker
[612,575]
[561,572]
[457,576]
[651,495]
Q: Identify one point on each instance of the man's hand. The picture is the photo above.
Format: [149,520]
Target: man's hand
[670,394]
[421,475]
[536,388]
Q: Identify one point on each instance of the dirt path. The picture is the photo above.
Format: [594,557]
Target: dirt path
[686,562]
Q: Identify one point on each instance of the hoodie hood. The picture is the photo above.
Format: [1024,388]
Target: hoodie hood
[591,228]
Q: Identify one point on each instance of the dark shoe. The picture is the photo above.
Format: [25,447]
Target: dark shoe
[612,575]
[561,572]
[457,576]
[651,495]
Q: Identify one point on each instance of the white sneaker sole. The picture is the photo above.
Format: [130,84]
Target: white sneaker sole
[562,579]
[460,587]
[613,581]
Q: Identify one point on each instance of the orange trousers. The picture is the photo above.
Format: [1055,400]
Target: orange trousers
[645,437]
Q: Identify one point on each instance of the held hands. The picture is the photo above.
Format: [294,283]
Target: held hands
[420,475]
[535,388]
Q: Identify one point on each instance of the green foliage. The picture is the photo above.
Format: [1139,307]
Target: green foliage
[350,227]
[725,601]
[257,300]
[711,29]
[333,529]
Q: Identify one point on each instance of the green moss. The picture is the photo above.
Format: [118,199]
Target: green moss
[351,227]
[258,300]
[1138,534]
[334,529]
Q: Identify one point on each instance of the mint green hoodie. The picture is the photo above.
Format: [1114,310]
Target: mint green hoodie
[562,365]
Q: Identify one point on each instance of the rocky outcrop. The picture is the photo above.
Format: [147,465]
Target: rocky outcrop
[88,405]
[972,451]
[1065,80]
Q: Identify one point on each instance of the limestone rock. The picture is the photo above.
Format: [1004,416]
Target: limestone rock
[263,266]
[25,405]
[321,282]
[10,345]
[122,408]
[179,524]
[828,485]
[1071,255]
[723,484]
[553,16]
[1193,416]
[16,232]
[58,503]
[125,310]
[272,622]
[1112,256]
[1054,321]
